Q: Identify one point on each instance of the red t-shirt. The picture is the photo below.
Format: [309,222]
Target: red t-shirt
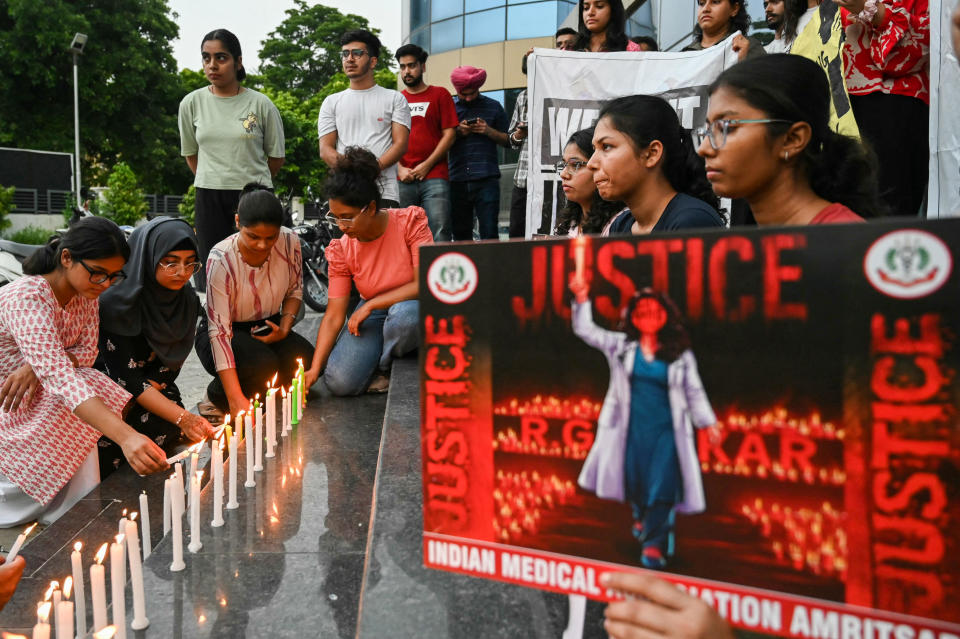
[836,214]
[383,264]
[431,112]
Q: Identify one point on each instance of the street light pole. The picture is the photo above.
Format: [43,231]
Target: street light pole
[76,48]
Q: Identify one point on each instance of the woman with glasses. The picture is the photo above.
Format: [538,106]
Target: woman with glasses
[585,212]
[254,292]
[768,140]
[229,136]
[55,406]
[147,326]
[379,253]
[643,157]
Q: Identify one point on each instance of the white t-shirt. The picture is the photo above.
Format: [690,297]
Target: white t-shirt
[778,45]
[365,118]
[805,19]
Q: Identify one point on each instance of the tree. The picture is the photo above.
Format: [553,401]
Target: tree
[123,201]
[302,54]
[6,206]
[128,85]
[188,206]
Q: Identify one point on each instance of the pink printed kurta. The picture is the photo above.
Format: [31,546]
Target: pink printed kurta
[42,443]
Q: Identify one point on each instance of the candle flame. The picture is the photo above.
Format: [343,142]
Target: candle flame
[201,618]
[199,476]
[133,516]
[100,553]
[300,361]
[226,420]
[29,529]
[67,587]
[257,396]
[78,546]
[43,611]
[119,539]
[273,520]
[54,585]
[124,513]
[240,416]
[274,379]
[275,508]
[7,635]
[283,481]
[105,633]
[283,391]
[223,601]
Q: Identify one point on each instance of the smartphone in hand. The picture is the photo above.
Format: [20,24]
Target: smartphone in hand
[263,329]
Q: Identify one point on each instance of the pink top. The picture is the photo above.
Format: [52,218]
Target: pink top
[238,292]
[42,443]
[836,213]
[383,264]
[633,46]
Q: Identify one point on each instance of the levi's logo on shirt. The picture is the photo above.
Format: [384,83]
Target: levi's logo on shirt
[419,108]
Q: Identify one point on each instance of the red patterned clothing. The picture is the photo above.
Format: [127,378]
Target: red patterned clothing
[42,443]
[894,57]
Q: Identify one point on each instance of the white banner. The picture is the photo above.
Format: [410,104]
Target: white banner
[943,199]
[567,90]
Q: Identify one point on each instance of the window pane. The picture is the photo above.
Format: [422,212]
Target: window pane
[496,95]
[419,14]
[564,9]
[478,5]
[484,27]
[446,35]
[532,20]
[441,9]
[421,38]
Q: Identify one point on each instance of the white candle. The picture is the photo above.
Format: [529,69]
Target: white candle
[176,503]
[166,505]
[145,524]
[234,452]
[98,593]
[22,537]
[56,598]
[258,434]
[121,529]
[271,421]
[248,436]
[140,620]
[107,633]
[195,544]
[42,629]
[118,586]
[217,463]
[194,461]
[284,412]
[76,566]
[65,620]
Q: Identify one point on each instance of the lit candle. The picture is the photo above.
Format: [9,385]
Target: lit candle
[42,629]
[118,583]
[271,418]
[167,487]
[284,412]
[217,463]
[76,566]
[258,433]
[234,452]
[22,537]
[176,505]
[195,544]
[303,391]
[178,468]
[194,461]
[64,614]
[248,437]
[53,593]
[106,633]
[294,403]
[98,593]
[140,620]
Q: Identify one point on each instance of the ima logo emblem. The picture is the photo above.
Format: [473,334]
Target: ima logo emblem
[908,264]
[452,278]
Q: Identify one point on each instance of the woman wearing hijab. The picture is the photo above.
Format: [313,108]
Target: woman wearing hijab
[147,328]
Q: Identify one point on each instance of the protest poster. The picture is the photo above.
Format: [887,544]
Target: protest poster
[818,492]
[566,90]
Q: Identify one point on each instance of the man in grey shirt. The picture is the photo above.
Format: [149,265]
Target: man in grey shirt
[365,115]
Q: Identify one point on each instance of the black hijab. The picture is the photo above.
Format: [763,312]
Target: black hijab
[140,306]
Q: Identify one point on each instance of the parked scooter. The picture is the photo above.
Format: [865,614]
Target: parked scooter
[314,239]
[12,255]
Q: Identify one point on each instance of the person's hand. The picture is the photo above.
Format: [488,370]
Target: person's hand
[310,377]
[144,455]
[419,172]
[404,174]
[580,287]
[479,127]
[741,46]
[10,574]
[463,129]
[853,6]
[520,133]
[360,314]
[19,386]
[659,609]
[275,335]
[195,427]
[237,404]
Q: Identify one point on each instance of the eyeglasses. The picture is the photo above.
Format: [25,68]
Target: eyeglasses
[171,268]
[709,131]
[572,165]
[99,277]
[344,222]
[352,53]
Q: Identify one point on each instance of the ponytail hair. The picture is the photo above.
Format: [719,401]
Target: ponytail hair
[645,118]
[792,88]
[356,179]
[91,238]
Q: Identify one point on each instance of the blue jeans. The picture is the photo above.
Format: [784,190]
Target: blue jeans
[480,197]
[434,196]
[384,335]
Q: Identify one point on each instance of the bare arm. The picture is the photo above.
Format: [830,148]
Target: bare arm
[327,336]
[447,138]
[392,155]
[231,386]
[328,149]
[191,162]
[274,165]
[385,300]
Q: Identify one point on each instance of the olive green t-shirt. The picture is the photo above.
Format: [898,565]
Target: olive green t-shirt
[231,137]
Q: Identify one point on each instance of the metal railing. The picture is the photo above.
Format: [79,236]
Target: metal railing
[56,200]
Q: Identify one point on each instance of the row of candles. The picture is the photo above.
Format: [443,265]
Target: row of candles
[509,442]
[520,498]
[250,424]
[825,475]
[777,419]
[551,407]
[804,538]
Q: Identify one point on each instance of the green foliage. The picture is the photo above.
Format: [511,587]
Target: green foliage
[303,53]
[123,201]
[30,235]
[187,208]
[6,205]
[129,88]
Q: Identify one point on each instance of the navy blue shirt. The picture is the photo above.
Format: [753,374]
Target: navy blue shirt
[474,157]
[683,212]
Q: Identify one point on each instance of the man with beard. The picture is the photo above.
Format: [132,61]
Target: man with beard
[365,115]
[783,17]
[423,174]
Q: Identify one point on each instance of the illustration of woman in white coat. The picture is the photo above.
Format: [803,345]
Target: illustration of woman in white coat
[645,449]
